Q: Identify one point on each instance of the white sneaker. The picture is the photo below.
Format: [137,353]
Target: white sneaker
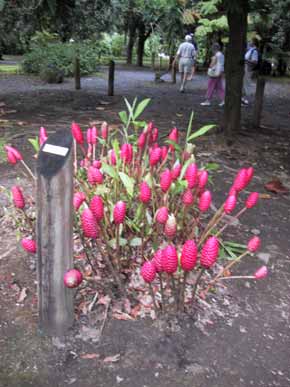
[181,89]
[245,101]
[222,104]
[205,103]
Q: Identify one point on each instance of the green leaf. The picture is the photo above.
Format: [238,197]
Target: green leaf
[176,146]
[211,166]
[34,142]
[122,241]
[129,107]
[124,117]
[201,132]
[189,126]
[135,242]
[128,183]
[109,170]
[141,107]
[149,217]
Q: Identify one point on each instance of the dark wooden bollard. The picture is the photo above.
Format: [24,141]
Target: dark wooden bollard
[111,78]
[173,73]
[55,233]
[77,73]
[259,98]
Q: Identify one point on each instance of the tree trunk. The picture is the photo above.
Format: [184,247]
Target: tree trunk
[237,18]
[141,43]
[131,42]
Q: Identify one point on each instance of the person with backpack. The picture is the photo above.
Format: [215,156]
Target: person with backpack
[251,68]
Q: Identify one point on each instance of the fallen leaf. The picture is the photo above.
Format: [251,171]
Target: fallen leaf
[100,108]
[276,186]
[265,196]
[22,295]
[135,311]
[112,359]
[127,306]
[104,300]
[90,356]
[122,316]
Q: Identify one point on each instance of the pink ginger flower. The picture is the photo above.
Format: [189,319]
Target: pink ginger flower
[142,140]
[148,271]
[254,244]
[252,200]
[11,158]
[97,164]
[173,136]
[89,136]
[241,180]
[94,135]
[95,176]
[72,278]
[202,179]
[104,130]
[29,245]
[261,273]
[169,259]
[170,227]
[119,212]
[77,133]
[17,196]
[204,201]
[210,252]
[89,224]
[250,174]
[157,260]
[164,152]
[189,255]
[155,156]
[97,207]
[155,135]
[126,153]
[165,180]
[150,127]
[145,192]
[78,199]
[112,157]
[42,135]
[191,175]
[10,149]
[176,170]
[162,215]
[187,197]
[230,204]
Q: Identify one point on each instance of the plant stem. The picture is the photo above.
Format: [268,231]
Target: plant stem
[153,298]
[28,169]
[238,277]
[118,246]
[75,157]
[205,234]
[162,291]
[182,290]
[231,221]
[174,292]
[197,281]
[94,152]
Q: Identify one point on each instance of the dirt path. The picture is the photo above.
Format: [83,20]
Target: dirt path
[239,339]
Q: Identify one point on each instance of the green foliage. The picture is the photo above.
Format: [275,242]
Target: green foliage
[61,55]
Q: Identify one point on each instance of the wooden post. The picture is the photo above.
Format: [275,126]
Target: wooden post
[173,73]
[55,233]
[111,78]
[77,72]
[259,98]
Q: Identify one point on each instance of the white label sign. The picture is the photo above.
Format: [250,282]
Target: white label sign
[55,150]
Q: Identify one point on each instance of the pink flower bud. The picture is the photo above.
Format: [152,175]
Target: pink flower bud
[165,180]
[89,224]
[97,207]
[155,135]
[119,212]
[17,196]
[17,155]
[250,174]
[95,176]
[126,153]
[191,175]
[202,179]
[261,273]
[189,255]
[145,192]
[230,204]
[72,278]
[104,130]
[155,156]
[254,244]
[204,201]
[241,180]
[187,197]
[29,245]
[210,252]
[157,260]
[78,199]
[169,259]
[142,140]
[252,200]
[11,158]
[94,135]
[42,135]
[170,227]
[77,133]
[150,127]
[112,157]
[176,170]
[173,136]
[164,152]
[162,215]
[148,271]
[97,164]
[89,136]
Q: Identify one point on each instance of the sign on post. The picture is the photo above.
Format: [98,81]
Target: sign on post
[55,233]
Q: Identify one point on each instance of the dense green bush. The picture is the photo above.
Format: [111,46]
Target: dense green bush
[61,55]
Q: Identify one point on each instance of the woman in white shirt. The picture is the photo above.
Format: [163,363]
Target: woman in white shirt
[215,73]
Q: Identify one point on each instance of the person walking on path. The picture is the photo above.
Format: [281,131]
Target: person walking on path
[185,56]
[251,63]
[215,74]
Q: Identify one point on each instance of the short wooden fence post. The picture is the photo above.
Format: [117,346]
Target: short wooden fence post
[173,73]
[77,73]
[259,98]
[111,78]
[55,233]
